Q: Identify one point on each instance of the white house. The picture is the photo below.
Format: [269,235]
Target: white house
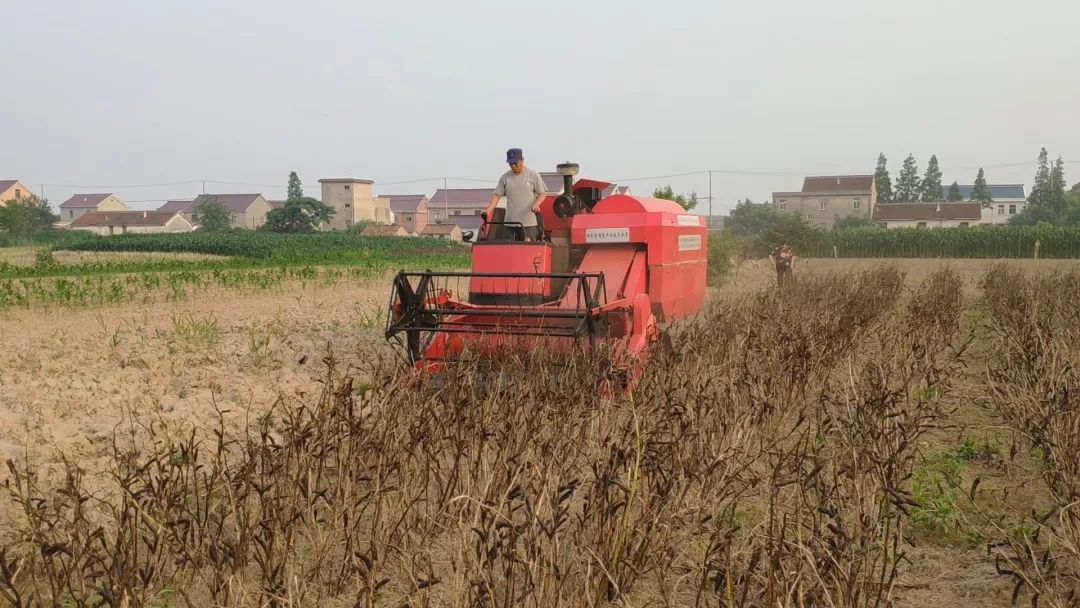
[928,215]
[1008,200]
[123,222]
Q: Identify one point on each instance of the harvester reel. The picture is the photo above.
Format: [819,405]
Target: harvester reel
[411,314]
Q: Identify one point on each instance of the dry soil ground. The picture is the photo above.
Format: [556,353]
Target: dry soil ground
[70,377]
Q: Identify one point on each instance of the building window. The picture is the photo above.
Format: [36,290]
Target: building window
[346,186]
[457,211]
[408,218]
[855,203]
[824,204]
[1012,209]
[1001,209]
[809,216]
[782,205]
[347,205]
[18,193]
[921,225]
[71,213]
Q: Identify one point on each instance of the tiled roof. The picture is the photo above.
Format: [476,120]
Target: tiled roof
[465,222]
[404,203]
[553,182]
[235,203]
[83,201]
[383,230]
[123,218]
[175,206]
[999,191]
[7,183]
[439,228]
[837,183]
[922,212]
[345,180]
[461,197]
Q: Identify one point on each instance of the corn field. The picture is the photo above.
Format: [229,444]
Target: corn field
[765,459]
[975,242]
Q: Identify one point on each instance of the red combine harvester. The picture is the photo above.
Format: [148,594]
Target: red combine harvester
[607,270]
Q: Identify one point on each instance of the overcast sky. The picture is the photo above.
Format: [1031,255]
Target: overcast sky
[112,94]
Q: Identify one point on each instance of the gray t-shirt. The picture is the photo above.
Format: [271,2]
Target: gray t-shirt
[521,191]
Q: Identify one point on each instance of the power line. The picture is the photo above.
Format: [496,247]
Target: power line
[184,183]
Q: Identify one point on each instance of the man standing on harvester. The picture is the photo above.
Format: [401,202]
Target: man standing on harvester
[524,190]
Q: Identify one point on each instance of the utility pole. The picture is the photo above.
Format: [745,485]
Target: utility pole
[710,201]
[204,186]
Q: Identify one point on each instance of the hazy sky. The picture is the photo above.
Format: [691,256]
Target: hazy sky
[110,93]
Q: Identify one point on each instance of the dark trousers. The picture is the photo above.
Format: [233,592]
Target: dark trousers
[783,276]
[520,233]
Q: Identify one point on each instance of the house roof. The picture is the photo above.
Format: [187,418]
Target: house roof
[922,212]
[997,191]
[465,222]
[837,183]
[403,203]
[552,181]
[175,206]
[7,183]
[614,189]
[276,204]
[123,218]
[83,201]
[345,180]
[384,230]
[461,197]
[440,228]
[235,203]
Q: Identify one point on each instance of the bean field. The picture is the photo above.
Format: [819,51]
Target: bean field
[861,438]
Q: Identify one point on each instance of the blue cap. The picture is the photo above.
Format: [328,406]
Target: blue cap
[514,155]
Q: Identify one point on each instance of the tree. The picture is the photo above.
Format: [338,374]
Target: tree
[980,193]
[1040,189]
[761,227]
[954,193]
[212,216]
[853,222]
[907,186]
[686,201]
[295,189]
[26,216]
[302,214]
[1057,198]
[931,182]
[882,179]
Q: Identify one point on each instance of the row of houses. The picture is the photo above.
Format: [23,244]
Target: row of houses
[826,199]
[447,213]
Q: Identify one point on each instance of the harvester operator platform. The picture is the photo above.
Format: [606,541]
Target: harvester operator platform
[524,191]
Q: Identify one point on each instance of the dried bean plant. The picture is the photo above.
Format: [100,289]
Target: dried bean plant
[763,460]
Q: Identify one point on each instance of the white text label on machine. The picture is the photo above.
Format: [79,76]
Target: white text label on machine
[690,242]
[689,220]
[607,235]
